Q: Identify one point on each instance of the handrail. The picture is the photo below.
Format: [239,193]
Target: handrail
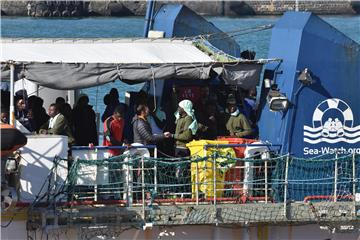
[154,146]
[327,197]
[240,145]
[111,147]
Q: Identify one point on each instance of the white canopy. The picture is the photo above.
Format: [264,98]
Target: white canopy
[78,63]
[102,51]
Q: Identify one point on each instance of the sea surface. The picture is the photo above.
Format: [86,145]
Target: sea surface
[111,27]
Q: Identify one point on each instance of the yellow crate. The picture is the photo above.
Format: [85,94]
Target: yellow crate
[206,168]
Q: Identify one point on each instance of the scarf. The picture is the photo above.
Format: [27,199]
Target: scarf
[188,108]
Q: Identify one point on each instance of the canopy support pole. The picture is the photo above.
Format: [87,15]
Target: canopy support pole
[12,84]
[70,99]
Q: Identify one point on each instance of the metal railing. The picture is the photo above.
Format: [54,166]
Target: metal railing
[135,180]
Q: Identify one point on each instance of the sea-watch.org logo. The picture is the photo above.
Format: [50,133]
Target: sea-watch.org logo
[332,122]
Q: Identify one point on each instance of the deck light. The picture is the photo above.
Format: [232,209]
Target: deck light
[277,101]
[305,77]
[267,83]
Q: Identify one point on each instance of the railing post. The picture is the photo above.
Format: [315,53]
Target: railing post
[266,181]
[286,183]
[143,187]
[205,173]
[354,182]
[214,176]
[197,182]
[127,167]
[155,169]
[127,180]
[335,177]
[12,94]
[353,175]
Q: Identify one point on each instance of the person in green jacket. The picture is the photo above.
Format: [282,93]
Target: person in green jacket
[57,124]
[186,128]
[237,125]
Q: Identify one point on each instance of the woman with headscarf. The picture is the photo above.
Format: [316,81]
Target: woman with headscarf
[186,128]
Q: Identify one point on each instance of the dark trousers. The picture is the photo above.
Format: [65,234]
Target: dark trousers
[182,171]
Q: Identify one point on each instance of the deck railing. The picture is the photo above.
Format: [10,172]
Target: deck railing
[134,179]
[137,188]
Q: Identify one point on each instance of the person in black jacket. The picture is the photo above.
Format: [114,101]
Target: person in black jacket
[142,129]
[85,123]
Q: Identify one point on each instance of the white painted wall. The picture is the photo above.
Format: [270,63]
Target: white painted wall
[37,160]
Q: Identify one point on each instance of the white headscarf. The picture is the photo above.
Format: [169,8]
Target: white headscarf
[188,108]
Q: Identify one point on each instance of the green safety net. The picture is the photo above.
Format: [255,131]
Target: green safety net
[133,179]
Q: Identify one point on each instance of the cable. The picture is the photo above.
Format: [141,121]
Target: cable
[6,225]
[261,28]
[249,30]
[12,217]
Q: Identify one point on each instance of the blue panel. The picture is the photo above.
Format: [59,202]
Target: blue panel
[165,18]
[334,61]
[325,115]
[304,40]
[285,44]
[179,21]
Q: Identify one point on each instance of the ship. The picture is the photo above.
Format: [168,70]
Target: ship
[298,180]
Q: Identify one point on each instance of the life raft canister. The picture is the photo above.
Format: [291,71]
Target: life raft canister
[11,139]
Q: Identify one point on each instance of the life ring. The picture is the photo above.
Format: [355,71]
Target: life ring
[11,139]
[332,103]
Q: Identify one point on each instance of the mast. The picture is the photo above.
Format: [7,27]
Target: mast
[149,16]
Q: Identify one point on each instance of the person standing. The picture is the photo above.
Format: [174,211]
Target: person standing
[142,130]
[21,113]
[84,119]
[186,128]
[57,124]
[111,101]
[237,125]
[114,130]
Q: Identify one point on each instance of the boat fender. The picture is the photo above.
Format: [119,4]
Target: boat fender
[8,199]
[138,152]
[11,139]
[254,151]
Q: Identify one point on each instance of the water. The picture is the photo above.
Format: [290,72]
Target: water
[24,27]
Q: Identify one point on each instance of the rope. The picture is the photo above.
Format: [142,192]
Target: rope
[253,30]
[96,98]
[249,30]
[154,89]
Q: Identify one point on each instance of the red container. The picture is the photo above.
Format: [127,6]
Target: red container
[239,151]
[236,177]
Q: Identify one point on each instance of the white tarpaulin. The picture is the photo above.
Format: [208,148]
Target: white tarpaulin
[73,64]
[102,51]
